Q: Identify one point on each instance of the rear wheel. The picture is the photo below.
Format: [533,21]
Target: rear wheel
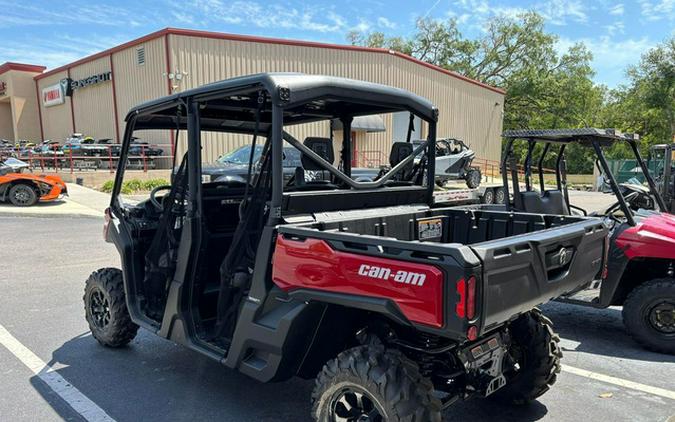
[371,383]
[499,196]
[473,178]
[23,195]
[488,197]
[106,309]
[536,351]
[649,315]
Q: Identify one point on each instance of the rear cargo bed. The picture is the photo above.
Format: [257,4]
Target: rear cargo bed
[525,259]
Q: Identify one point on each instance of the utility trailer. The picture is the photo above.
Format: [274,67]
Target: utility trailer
[459,194]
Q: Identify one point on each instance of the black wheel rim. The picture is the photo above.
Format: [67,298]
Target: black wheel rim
[352,404]
[23,195]
[661,317]
[99,307]
[489,197]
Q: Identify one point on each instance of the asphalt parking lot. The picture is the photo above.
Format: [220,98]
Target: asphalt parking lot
[52,369]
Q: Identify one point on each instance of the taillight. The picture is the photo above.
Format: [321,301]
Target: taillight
[471,298]
[472,333]
[466,303]
[107,216]
[460,308]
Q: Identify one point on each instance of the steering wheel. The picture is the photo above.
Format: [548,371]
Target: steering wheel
[615,206]
[153,198]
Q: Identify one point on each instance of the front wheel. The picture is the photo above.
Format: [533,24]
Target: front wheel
[473,178]
[105,308]
[536,350]
[23,195]
[649,315]
[371,383]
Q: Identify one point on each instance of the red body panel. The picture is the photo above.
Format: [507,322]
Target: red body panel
[313,264]
[651,237]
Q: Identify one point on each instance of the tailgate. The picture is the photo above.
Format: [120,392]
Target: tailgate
[521,272]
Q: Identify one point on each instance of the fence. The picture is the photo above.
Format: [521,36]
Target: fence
[141,157]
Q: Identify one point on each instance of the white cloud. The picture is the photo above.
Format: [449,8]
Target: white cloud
[57,50]
[307,18]
[556,12]
[610,57]
[385,23]
[616,10]
[657,10]
[615,28]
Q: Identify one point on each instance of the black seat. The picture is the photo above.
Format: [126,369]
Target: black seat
[323,147]
[399,152]
[550,202]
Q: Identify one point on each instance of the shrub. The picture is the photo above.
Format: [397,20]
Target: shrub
[132,186]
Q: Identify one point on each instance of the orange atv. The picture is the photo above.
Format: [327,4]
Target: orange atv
[25,189]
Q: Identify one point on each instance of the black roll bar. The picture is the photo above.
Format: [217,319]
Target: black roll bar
[612,182]
[528,164]
[508,150]
[650,180]
[540,166]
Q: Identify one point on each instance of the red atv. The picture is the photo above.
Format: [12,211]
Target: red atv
[396,309]
[641,250]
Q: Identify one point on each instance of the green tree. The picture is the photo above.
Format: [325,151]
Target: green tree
[646,105]
[544,89]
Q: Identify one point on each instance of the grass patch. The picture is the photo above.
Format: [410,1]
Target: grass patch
[132,186]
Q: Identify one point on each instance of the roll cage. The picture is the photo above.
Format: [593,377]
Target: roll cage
[561,138]
[264,104]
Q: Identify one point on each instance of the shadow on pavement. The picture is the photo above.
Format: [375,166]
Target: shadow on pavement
[156,380]
[598,331]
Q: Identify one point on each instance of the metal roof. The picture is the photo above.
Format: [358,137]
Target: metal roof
[288,90]
[580,135]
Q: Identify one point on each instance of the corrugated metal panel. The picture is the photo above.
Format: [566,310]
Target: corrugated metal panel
[136,83]
[467,111]
[93,105]
[56,120]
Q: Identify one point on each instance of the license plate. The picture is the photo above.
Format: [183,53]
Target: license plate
[430,229]
[206,178]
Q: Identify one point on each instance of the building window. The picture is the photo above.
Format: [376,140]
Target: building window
[140,56]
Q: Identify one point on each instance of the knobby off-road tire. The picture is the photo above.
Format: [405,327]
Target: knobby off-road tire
[391,388]
[23,195]
[473,178]
[648,315]
[106,309]
[538,355]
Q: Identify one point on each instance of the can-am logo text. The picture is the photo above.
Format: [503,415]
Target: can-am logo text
[400,276]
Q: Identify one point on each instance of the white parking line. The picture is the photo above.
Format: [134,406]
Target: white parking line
[71,395]
[655,391]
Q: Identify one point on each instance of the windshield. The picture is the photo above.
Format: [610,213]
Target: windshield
[241,155]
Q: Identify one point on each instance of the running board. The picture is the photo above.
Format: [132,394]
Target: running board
[589,296]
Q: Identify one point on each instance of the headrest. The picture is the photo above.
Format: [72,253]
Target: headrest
[323,147]
[399,152]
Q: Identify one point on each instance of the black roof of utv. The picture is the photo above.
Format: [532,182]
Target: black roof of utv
[582,135]
[304,98]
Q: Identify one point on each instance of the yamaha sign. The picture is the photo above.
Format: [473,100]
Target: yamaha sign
[53,95]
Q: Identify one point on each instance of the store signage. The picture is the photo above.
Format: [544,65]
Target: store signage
[83,83]
[3,88]
[53,95]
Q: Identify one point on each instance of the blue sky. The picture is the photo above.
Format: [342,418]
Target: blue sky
[53,33]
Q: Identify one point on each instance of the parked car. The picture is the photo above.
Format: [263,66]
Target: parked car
[25,189]
[399,308]
[233,166]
